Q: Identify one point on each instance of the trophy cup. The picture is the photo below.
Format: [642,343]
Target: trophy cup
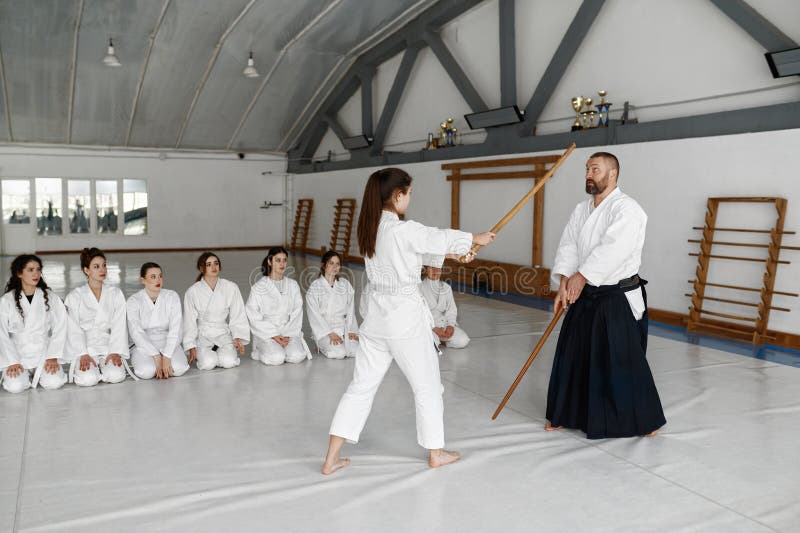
[587,102]
[577,105]
[603,109]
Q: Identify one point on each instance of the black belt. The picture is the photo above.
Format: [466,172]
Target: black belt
[626,285]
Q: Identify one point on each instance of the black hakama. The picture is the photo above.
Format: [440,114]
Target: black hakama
[601,382]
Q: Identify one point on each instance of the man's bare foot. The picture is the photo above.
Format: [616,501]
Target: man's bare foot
[550,427]
[651,434]
[442,457]
[332,466]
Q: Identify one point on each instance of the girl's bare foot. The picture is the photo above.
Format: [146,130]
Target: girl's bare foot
[651,434]
[332,466]
[442,457]
[333,461]
[550,427]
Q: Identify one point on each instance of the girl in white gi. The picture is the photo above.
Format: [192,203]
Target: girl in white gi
[97,330]
[214,322]
[331,310]
[275,311]
[154,323]
[439,296]
[33,327]
[398,323]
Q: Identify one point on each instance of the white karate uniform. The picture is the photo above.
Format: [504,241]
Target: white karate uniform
[276,308]
[155,328]
[32,338]
[97,329]
[363,301]
[398,327]
[332,310]
[214,318]
[439,296]
[604,243]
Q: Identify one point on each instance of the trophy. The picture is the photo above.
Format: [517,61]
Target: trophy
[587,102]
[577,105]
[603,109]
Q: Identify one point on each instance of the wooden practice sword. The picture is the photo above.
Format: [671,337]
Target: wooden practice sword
[514,210]
[530,359]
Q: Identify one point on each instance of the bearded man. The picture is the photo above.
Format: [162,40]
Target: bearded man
[601,382]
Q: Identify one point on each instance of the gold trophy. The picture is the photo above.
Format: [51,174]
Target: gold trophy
[577,105]
[587,102]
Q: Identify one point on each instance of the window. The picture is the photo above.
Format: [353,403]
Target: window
[16,201]
[48,206]
[107,205]
[134,204]
[79,202]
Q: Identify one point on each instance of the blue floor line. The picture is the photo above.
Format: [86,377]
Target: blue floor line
[767,352]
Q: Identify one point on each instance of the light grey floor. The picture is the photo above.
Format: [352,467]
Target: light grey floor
[240,449]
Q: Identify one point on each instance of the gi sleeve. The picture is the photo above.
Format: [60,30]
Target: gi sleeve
[237,318]
[319,324]
[190,330]
[138,335]
[427,240]
[57,316]
[76,337]
[566,262]
[173,339]
[118,341]
[260,323]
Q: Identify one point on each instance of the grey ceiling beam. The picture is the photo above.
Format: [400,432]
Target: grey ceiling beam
[765,118]
[4,85]
[151,42]
[395,93]
[336,127]
[344,64]
[566,50]
[508,54]
[73,70]
[366,76]
[456,73]
[433,18]
[311,143]
[758,27]
[330,7]
[209,67]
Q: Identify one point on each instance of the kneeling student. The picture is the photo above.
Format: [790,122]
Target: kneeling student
[331,310]
[154,324]
[439,296]
[275,311]
[33,329]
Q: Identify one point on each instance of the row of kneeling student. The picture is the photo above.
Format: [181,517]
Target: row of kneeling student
[92,329]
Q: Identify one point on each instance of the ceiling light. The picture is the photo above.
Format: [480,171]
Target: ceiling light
[250,70]
[111,58]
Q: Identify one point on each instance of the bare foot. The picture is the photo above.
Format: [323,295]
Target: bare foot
[651,434]
[332,466]
[442,457]
[550,427]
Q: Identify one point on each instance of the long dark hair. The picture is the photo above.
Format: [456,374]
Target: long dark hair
[15,283]
[378,192]
[147,266]
[201,263]
[327,256]
[87,254]
[266,267]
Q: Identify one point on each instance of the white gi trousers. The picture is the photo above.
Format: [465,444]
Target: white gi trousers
[337,351]
[22,381]
[144,366]
[104,371]
[460,339]
[270,352]
[419,361]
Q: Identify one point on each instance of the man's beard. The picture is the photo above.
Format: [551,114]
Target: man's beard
[593,188]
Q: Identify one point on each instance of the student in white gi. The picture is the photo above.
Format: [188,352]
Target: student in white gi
[439,296]
[330,301]
[97,330]
[398,323]
[214,321]
[275,311]
[154,324]
[33,329]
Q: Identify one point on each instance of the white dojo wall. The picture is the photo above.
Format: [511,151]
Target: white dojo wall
[195,199]
[670,179]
